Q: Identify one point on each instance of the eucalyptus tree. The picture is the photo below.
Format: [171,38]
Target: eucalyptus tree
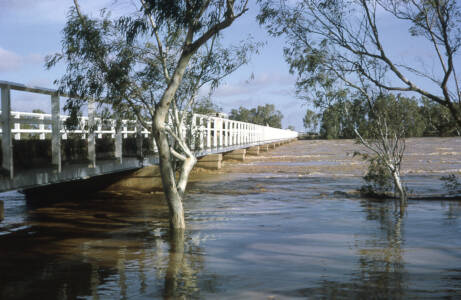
[311,120]
[346,36]
[385,138]
[265,115]
[334,45]
[150,64]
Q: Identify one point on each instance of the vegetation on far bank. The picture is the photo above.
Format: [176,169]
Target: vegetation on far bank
[420,117]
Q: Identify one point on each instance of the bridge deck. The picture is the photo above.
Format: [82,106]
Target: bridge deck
[25,179]
[206,135]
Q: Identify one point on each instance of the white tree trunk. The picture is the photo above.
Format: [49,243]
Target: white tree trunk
[400,188]
[173,195]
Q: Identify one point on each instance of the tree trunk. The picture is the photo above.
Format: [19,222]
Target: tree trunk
[399,187]
[173,197]
[172,194]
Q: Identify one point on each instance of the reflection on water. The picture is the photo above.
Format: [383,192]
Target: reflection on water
[250,236]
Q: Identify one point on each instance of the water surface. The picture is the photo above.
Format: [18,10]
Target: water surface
[255,231]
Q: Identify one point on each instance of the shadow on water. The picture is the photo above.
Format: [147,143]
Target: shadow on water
[105,247]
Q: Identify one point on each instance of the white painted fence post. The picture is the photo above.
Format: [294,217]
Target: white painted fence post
[42,126]
[202,128]
[55,132]
[17,126]
[231,132]
[118,139]
[193,132]
[99,128]
[220,127]
[215,133]
[124,129]
[208,135]
[223,132]
[7,143]
[228,135]
[91,135]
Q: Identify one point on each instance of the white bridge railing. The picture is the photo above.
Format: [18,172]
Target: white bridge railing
[208,133]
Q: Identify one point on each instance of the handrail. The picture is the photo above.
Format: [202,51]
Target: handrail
[205,132]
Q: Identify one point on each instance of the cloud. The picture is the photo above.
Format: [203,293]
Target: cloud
[53,11]
[9,61]
[260,83]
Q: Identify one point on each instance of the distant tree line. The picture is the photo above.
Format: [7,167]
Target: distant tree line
[262,115]
[418,118]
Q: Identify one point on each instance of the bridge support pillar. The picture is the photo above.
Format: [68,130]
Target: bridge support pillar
[253,150]
[7,143]
[212,161]
[55,132]
[238,154]
[2,214]
[91,137]
[264,148]
[118,138]
[272,146]
[146,179]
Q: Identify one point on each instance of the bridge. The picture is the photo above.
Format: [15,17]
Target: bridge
[38,149]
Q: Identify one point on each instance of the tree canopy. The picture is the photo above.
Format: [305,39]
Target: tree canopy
[265,115]
[150,64]
[419,117]
[336,44]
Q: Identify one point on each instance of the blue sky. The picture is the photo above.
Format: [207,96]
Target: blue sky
[30,30]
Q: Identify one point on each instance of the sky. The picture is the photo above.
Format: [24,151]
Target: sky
[31,29]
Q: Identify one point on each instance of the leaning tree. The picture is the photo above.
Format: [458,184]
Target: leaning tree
[150,64]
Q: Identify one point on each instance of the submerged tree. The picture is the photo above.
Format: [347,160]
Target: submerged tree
[386,140]
[337,44]
[150,65]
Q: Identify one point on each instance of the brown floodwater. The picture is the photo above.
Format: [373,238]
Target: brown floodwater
[284,225]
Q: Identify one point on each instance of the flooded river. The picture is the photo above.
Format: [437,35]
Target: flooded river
[283,225]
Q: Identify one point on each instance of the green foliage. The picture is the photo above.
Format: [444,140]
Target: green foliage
[404,114]
[378,179]
[262,115]
[334,45]
[401,114]
[206,107]
[311,120]
[117,62]
[438,119]
[341,118]
[452,184]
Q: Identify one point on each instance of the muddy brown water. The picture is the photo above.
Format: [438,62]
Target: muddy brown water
[283,225]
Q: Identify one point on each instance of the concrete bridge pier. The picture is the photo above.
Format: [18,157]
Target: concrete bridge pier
[238,154]
[264,148]
[212,161]
[253,151]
